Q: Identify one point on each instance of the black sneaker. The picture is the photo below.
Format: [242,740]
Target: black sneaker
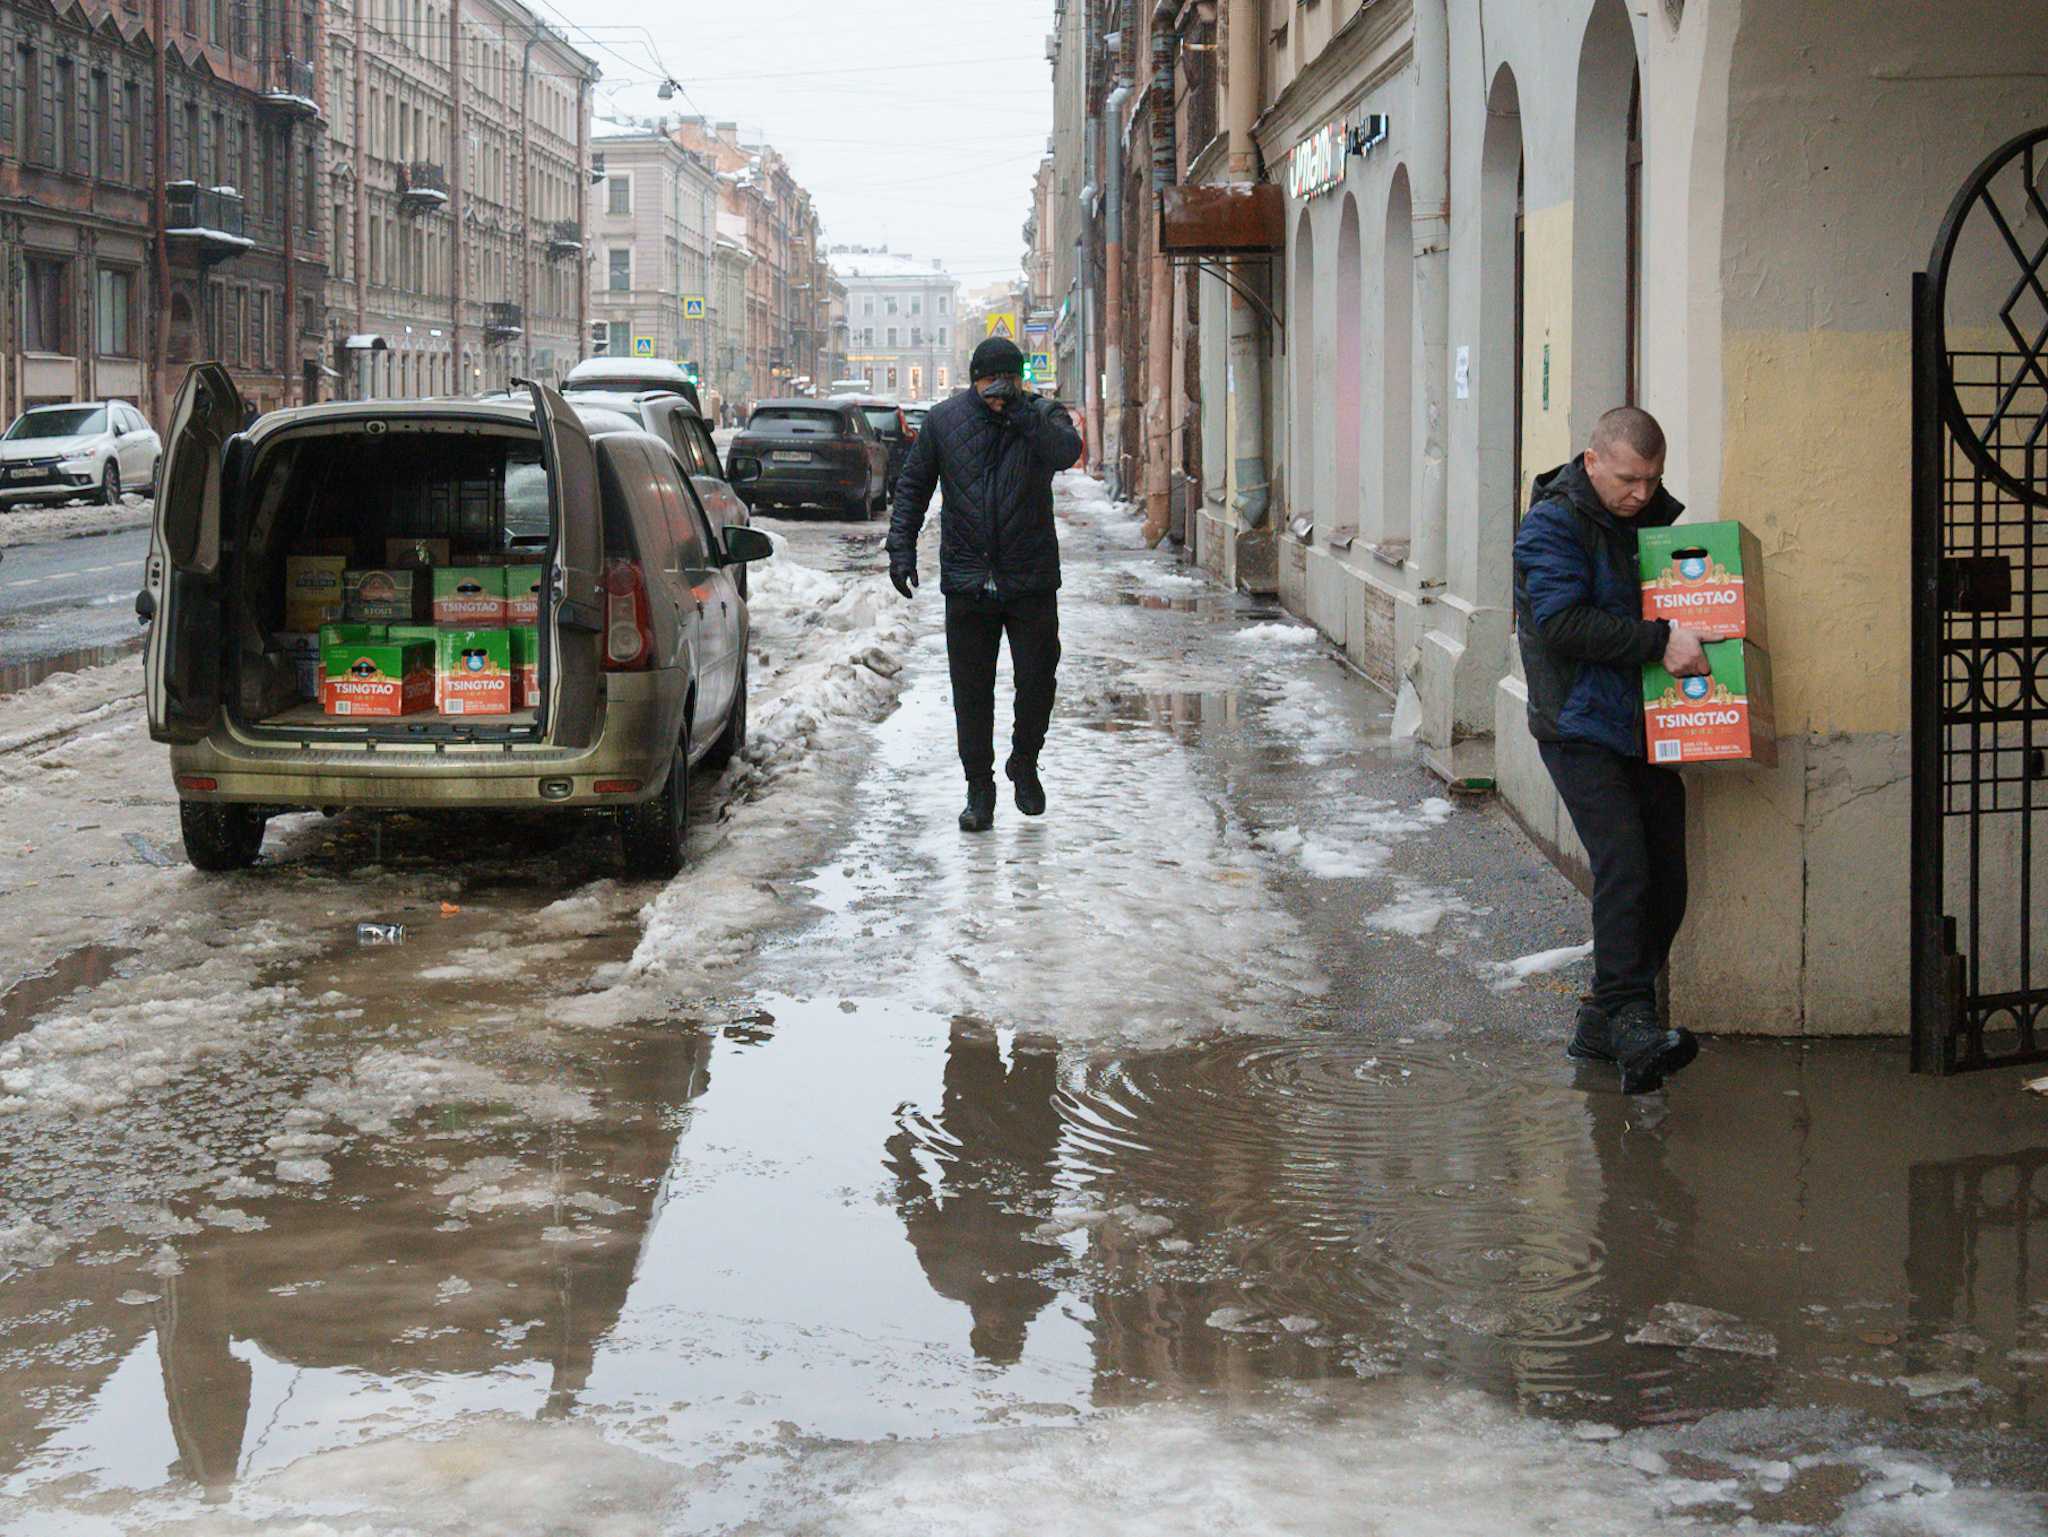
[1030,791]
[1645,1051]
[979,815]
[1590,1037]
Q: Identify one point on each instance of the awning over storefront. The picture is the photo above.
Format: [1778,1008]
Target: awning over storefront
[1235,219]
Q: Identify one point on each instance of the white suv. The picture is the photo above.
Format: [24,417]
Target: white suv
[93,448]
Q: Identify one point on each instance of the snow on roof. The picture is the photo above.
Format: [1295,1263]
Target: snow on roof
[884,264]
[618,128]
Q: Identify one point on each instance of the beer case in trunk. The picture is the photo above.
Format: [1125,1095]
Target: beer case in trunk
[390,595]
[1708,577]
[377,677]
[525,668]
[312,591]
[522,594]
[1725,717]
[473,672]
[469,597]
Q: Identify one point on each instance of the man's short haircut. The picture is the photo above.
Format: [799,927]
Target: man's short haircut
[1626,424]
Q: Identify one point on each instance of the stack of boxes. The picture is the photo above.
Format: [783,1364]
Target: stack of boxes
[1708,577]
[420,633]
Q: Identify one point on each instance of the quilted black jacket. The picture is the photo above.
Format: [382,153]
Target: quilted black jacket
[996,532]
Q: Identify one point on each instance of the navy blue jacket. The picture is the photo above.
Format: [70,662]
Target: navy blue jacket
[996,532]
[1578,613]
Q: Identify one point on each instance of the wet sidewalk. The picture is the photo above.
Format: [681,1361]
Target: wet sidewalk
[1197,1158]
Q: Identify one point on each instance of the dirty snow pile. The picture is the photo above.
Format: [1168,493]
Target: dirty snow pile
[32,525]
[1085,500]
[1276,634]
[1506,976]
[827,654]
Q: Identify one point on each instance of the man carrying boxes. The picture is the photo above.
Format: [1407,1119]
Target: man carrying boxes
[1579,615]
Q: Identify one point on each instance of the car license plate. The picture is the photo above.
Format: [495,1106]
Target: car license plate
[781,457]
[30,474]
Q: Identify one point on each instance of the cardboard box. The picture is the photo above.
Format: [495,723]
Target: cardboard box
[377,678]
[302,649]
[473,672]
[313,593]
[390,595]
[1708,577]
[416,552]
[469,597]
[1725,717]
[525,669]
[522,593]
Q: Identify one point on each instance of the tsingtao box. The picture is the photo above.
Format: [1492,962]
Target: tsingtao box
[1724,717]
[1708,577]
[377,677]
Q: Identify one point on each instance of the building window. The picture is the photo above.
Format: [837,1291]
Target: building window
[892,336]
[619,278]
[67,118]
[102,126]
[945,306]
[917,306]
[618,194]
[46,304]
[892,381]
[111,320]
[890,304]
[917,336]
[131,133]
[867,305]
[259,329]
[942,336]
[619,340]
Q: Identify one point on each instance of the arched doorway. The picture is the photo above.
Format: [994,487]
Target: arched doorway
[1301,325]
[1497,367]
[1604,242]
[1348,409]
[1397,372]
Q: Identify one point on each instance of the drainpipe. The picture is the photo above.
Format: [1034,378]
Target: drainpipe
[1159,338]
[360,242]
[1113,294]
[1247,340]
[582,283]
[159,156]
[463,385]
[525,224]
[1429,170]
[290,323]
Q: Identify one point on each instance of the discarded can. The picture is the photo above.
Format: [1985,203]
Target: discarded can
[380,933]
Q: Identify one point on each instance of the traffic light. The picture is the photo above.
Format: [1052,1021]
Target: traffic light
[600,338]
[1030,376]
[690,372]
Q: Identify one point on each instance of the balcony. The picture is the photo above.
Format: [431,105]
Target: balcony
[288,90]
[502,322]
[422,188]
[565,239]
[205,223]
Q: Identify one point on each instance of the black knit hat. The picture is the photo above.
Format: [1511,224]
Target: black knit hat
[997,355]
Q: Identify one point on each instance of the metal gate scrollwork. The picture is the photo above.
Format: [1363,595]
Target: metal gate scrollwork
[1980,623]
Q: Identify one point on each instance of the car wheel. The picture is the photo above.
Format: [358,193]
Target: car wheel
[857,508]
[219,838]
[732,741]
[654,836]
[110,485]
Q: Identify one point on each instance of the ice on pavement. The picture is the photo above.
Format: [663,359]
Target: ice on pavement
[1277,633]
[1506,976]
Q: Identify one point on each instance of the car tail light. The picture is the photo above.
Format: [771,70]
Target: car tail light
[197,782]
[902,425]
[628,624]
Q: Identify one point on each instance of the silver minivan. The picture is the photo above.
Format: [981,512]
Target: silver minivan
[640,629]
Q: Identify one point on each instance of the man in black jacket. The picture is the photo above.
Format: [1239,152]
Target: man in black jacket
[994,450]
[1578,615]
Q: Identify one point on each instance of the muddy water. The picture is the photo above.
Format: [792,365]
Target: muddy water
[1065,1127]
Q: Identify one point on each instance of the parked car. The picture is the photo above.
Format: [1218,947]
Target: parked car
[891,426]
[640,641]
[95,447]
[914,413]
[630,376]
[819,453]
[680,425]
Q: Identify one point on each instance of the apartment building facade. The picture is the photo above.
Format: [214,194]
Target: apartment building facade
[459,132]
[653,223]
[902,321]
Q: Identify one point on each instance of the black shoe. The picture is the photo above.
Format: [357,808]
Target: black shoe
[1030,792]
[979,815]
[1645,1051]
[1590,1042]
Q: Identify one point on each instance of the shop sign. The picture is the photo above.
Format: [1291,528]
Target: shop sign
[1317,164]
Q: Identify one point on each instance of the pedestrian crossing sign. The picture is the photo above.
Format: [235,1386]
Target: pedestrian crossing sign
[643,346]
[1003,324]
[693,307]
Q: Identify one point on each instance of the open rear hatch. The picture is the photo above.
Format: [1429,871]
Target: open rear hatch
[415,576]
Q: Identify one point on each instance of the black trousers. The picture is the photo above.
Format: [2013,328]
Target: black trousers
[975,627]
[1631,818]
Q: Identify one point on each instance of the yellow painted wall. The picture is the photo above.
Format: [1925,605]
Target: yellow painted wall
[1546,319]
[1817,462]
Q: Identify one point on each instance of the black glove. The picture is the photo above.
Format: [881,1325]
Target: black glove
[905,578]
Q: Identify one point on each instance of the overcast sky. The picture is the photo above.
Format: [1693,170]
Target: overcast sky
[915,122]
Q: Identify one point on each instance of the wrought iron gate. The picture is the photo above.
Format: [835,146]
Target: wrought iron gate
[1980,623]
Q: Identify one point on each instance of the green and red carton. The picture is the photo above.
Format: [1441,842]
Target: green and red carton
[373,676]
[525,668]
[1708,578]
[473,672]
[469,597]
